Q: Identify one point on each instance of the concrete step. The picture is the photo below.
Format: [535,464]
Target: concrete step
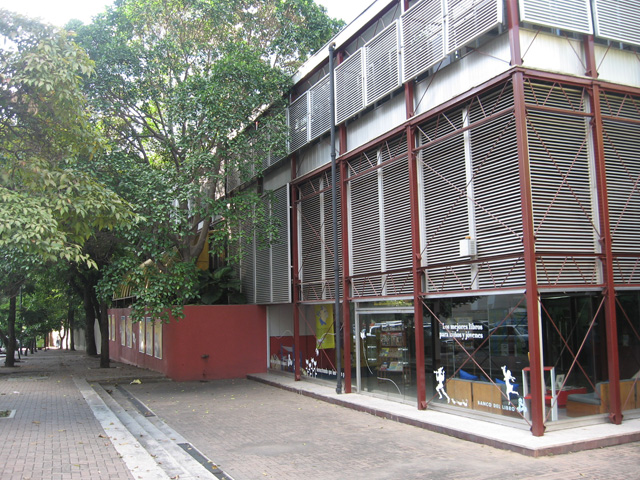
[171,452]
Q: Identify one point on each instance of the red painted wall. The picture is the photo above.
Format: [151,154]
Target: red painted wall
[211,342]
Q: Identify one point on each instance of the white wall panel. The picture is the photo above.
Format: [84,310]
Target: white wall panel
[552,53]
[461,76]
[376,122]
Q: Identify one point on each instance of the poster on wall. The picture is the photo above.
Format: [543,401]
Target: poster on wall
[325,337]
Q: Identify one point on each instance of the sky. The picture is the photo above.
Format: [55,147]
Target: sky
[58,12]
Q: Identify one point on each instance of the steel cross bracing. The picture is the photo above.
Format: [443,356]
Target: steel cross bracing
[472,356]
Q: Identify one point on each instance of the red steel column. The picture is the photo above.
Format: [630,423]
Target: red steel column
[613,358]
[346,312]
[533,307]
[295,266]
[417,274]
[514,32]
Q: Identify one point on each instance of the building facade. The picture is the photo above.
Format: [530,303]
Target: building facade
[487,207]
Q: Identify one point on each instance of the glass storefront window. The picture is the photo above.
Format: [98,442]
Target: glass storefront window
[383,351]
[476,349]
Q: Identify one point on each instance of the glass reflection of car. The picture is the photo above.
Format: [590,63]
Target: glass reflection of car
[508,340]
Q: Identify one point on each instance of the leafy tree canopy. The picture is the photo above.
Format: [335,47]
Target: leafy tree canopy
[180,91]
[48,207]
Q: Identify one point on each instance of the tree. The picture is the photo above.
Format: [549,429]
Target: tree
[178,88]
[48,206]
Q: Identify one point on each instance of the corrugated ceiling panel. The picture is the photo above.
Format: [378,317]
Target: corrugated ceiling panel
[422,37]
[298,117]
[618,20]
[382,68]
[320,115]
[349,87]
[572,15]
[468,19]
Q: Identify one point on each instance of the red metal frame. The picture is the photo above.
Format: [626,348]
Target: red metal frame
[533,312]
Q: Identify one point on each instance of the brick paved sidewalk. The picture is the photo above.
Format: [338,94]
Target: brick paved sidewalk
[253,431]
[53,433]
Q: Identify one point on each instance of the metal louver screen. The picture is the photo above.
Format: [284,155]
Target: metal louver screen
[422,37]
[572,15]
[618,20]
[446,215]
[263,264]
[328,246]
[497,201]
[365,237]
[561,193]
[623,185]
[247,270]
[298,122]
[320,118]
[280,259]
[397,221]
[311,254]
[349,87]
[468,19]
[382,71]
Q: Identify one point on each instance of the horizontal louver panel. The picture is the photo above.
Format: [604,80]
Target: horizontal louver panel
[468,19]
[572,15]
[560,183]
[621,142]
[349,87]
[422,37]
[397,216]
[280,271]
[497,188]
[298,117]
[328,237]
[311,252]
[320,118]
[263,262]
[247,268]
[618,20]
[382,68]
[365,228]
[445,207]
[555,96]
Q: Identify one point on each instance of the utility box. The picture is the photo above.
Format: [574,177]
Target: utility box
[468,247]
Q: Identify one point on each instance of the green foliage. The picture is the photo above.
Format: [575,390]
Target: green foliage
[178,91]
[48,207]
[220,287]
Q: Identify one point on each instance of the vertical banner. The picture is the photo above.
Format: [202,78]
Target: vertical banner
[325,337]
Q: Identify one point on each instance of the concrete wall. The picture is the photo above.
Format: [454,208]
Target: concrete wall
[211,342]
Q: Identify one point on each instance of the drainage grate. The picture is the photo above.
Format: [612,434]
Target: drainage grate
[204,461]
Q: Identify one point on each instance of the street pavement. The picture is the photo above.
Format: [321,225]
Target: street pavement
[64,426]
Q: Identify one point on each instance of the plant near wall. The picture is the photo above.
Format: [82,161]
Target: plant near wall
[178,89]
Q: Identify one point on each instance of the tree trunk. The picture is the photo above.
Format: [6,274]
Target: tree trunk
[71,321]
[104,334]
[89,312]
[11,333]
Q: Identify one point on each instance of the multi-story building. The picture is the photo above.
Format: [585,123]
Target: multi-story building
[487,208]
